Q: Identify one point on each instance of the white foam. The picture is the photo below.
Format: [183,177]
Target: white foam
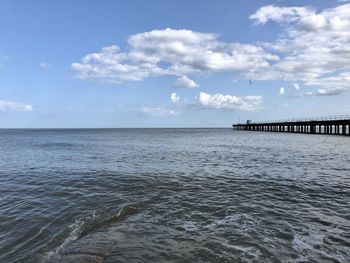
[305,244]
[243,222]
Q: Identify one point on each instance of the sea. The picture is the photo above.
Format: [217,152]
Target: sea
[185,195]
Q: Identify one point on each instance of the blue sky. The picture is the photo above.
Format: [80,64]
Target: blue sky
[171,63]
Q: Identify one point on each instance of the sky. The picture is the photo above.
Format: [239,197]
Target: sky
[154,63]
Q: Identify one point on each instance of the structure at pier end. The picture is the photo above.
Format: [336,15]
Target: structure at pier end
[336,125]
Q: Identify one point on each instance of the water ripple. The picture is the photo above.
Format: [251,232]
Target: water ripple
[199,195]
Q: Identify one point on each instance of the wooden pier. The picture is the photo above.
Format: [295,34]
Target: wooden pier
[335,125]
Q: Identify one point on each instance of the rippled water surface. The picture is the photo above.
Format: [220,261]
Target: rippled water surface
[187,195]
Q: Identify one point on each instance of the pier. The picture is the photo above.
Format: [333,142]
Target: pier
[332,125]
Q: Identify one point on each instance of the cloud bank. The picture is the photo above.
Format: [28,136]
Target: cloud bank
[171,52]
[312,49]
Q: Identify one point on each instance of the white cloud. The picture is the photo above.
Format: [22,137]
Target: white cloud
[174,98]
[158,111]
[282,91]
[337,82]
[110,65]
[325,92]
[278,14]
[313,47]
[171,52]
[296,86]
[185,82]
[14,106]
[219,101]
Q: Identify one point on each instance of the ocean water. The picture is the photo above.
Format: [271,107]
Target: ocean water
[185,195]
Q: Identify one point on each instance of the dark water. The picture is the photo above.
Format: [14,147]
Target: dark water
[189,195]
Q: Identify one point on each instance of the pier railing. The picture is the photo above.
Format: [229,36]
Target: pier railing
[306,119]
[337,125]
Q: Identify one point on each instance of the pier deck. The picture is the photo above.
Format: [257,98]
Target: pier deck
[336,125]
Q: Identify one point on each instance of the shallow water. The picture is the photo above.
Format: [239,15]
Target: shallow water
[188,195]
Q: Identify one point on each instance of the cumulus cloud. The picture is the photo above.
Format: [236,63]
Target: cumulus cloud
[185,82]
[171,52]
[313,49]
[159,111]
[174,98]
[282,91]
[14,106]
[278,14]
[229,102]
[111,65]
[314,46]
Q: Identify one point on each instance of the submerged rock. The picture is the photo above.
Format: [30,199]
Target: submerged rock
[92,248]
